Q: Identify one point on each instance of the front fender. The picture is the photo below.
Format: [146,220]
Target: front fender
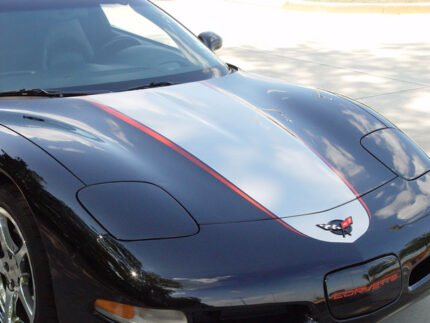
[68,232]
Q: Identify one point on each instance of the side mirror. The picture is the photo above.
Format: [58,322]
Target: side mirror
[211,40]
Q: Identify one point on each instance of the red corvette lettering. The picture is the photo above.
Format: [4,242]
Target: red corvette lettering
[365,289]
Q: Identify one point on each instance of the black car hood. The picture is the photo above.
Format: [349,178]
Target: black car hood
[284,149]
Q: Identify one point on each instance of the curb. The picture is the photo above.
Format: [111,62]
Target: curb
[346,7]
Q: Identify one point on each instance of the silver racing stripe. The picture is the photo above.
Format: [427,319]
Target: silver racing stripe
[257,155]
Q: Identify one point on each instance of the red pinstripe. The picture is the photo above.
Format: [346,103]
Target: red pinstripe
[191,158]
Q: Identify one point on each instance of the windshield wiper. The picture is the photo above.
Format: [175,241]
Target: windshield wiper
[151,86]
[45,93]
[63,94]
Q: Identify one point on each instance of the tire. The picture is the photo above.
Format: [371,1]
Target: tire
[25,282]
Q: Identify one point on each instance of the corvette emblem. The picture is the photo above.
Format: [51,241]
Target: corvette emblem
[338,227]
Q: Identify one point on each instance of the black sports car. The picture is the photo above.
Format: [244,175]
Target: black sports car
[143,180]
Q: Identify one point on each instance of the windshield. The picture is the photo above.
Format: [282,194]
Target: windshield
[97,45]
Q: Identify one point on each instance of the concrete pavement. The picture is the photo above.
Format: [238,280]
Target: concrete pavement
[381,60]
[361,6]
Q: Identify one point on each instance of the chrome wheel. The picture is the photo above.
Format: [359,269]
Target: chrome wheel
[17,290]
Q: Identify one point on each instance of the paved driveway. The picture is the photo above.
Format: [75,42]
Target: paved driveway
[381,60]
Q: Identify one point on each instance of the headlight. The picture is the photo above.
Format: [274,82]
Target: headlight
[123,313]
[137,211]
[396,151]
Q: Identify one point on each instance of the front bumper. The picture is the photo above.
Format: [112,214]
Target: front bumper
[228,271]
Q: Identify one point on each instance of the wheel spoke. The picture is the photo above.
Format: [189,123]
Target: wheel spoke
[6,240]
[21,254]
[10,306]
[26,298]
[16,281]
